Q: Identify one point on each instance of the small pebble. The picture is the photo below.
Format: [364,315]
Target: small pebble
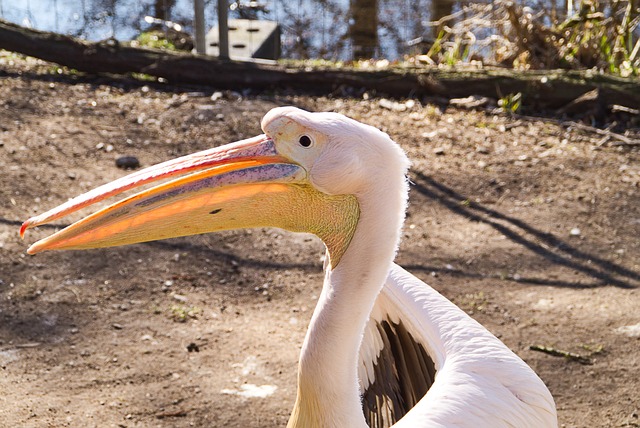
[180,298]
[127,162]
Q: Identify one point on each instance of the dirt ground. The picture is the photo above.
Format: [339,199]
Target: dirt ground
[529,226]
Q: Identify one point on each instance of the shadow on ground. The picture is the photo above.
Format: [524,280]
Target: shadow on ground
[546,245]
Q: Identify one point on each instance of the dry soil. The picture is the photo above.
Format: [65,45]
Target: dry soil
[528,225]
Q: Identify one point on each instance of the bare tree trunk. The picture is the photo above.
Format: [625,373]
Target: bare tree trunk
[364,28]
[568,8]
[162,9]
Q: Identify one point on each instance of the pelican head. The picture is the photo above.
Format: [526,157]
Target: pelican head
[308,172]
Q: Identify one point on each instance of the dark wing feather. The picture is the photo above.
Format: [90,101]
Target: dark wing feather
[403,373]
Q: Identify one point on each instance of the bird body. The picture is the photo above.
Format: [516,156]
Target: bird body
[382,348]
[479,382]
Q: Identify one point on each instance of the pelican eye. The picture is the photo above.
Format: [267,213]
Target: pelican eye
[305,141]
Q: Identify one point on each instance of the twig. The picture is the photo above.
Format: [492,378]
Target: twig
[616,108]
[622,140]
[173,414]
[75,293]
[444,19]
[21,346]
[630,143]
[557,353]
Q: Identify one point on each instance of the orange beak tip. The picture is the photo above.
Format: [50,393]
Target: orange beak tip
[24,228]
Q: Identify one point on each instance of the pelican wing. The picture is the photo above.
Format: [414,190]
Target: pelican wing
[397,377]
[395,369]
[425,362]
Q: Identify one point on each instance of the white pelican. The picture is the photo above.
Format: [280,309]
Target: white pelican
[382,348]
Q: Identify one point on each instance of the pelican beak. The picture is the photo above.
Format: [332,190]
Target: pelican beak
[239,185]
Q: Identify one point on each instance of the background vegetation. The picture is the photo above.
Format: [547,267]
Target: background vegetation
[531,34]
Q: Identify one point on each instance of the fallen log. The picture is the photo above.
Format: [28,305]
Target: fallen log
[539,89]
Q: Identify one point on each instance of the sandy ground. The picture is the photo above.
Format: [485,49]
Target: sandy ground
[530,227]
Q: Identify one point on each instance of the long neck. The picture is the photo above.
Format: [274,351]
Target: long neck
[328,391]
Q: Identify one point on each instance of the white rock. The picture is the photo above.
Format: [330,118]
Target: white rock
[180,298]
[543,304]
[249,390]
[629,330]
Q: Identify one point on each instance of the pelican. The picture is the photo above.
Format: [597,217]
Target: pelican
[382,348]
